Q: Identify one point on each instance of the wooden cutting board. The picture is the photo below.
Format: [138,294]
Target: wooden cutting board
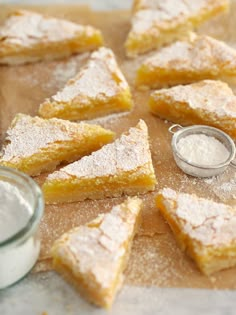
[155,258]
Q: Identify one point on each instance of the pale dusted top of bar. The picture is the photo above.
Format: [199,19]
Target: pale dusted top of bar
[166,14]
[199,53]
[26,28]
[96,249]
[206,221]
[29,135]
[209,95]
[100,78]
[128,153]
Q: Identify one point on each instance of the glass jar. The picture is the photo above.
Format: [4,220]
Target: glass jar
[20,245]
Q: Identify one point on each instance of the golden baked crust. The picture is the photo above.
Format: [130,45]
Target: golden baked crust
[204,229]
[206,102]
[122,167]
[34,145]
[157,22]
[29,37]
[196,58]
[97,90]
[93,257]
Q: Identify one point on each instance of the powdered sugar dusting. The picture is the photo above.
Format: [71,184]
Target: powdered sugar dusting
[97,247]
[166,14]
[64,71]
[158,261]
[171,56]
[127,153]
[212,56]
[212,96]
[28,135]
[100,78]
[204,220]
[202,150]
[170,5]
[224,185]
[24,28]
[143,20]
[15,210]
[108,120]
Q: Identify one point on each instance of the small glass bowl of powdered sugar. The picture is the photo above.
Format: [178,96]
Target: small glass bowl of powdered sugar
[202,151]
[21,208]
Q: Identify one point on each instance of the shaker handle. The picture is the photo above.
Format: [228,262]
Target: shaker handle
[174,128]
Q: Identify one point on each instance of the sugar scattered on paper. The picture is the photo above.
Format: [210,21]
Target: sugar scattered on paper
[224,185]
[65,70]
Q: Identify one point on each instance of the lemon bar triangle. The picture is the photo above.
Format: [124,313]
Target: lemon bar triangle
[207,102]
[198,58]
[98,89]
[34,145]
[27,36]
[204,229]
[156,22]
[122,167]
[93,257]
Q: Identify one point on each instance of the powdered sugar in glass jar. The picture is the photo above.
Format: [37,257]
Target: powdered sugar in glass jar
[21,208]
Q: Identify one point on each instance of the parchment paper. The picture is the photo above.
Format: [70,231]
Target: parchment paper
[155,258]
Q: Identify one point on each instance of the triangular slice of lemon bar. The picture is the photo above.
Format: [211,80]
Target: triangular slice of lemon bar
[34,145]
[27,37]
[122,167]
[93,257]
[206,102]
[157,22]
[98,89]
[204,229]
[198,58]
